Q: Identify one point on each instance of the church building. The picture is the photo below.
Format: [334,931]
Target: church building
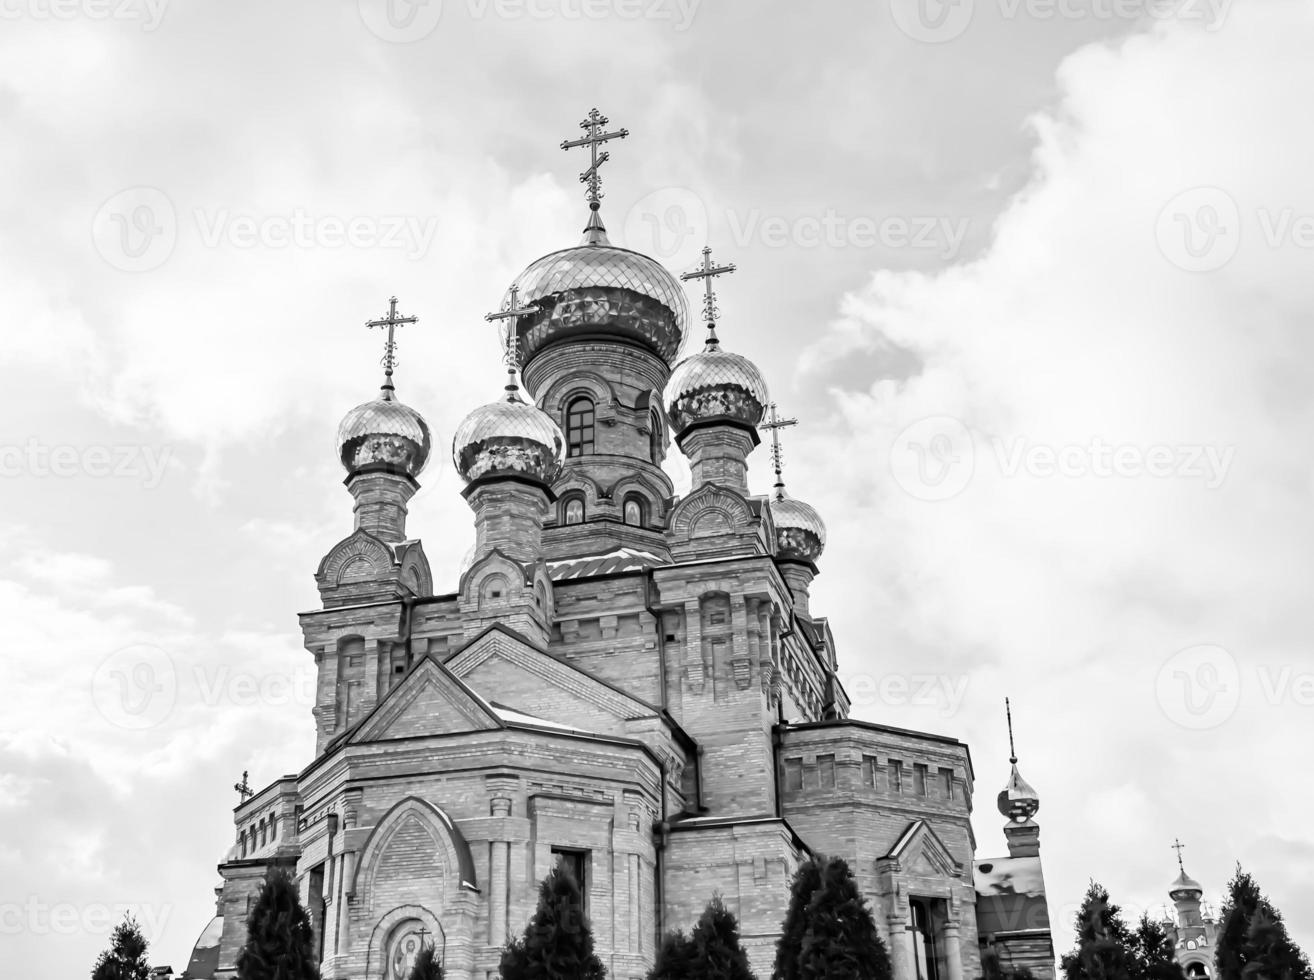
[624,681]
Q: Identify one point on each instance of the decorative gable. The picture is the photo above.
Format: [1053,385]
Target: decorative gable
[429,701]
[714,520]
[920,852]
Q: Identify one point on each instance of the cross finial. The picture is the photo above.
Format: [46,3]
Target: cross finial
[774,424]
[244,790]
[707,272]
[1008,712]
[594,125]
[512,312]
[1177,846]
[392,321]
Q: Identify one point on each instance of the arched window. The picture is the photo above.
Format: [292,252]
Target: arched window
[572,510]
[634,510]
[655,437]
[579,426]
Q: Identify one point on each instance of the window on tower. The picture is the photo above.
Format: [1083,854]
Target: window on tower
[655,438]
[894,775]
[634,511]
[576,863]
[579,426]
[572,510]
[919,779]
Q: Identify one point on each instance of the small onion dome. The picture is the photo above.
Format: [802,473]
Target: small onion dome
[508,438]
[384,435]
[800,532]
[715,384]
[598,290]
[1185,887]
[1017,800]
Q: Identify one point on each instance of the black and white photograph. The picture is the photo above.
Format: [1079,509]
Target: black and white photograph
[656,489]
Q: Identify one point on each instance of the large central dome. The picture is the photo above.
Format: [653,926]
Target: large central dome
[598,290]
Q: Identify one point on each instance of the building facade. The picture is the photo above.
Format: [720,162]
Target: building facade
[1191,926]
[625,681]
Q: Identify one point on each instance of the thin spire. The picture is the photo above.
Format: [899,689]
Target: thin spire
[391,322]
[595,233]
[512,312]
[1012,753]
[707,272]
[1177,846]
[774,424]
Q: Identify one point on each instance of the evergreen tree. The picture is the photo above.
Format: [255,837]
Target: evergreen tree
[675,959]
[840,941]
[717,954]
[126,957]
[558,943]
[1152,951]
[1103,941]
[280,942]
[426,965]
[806,881]
[1252,942]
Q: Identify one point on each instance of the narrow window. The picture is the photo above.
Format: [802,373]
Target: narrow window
[869,771]
[926,945]
[573,511]
[919,779]
[576,864]
[793,775]
[655,438]
[579,427]
[634,510]
[946,784]
[895,772]
[826,771]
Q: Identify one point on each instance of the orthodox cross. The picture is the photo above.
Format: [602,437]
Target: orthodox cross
[1177,846]
[595,125]
[1008,712]
[707,272]
[774,424]
[513,312]
[392,321]
[244,790]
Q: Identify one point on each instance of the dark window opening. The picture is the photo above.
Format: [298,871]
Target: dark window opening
[895,768]
[634,511]
[946,784]
[793,775]
[919,779]
[573,511]
[579,427]
[826,771]
[576,864]
[927,948]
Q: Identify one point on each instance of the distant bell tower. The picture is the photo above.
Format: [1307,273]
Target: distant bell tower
[598,330]
[1193,930]
[1019,803]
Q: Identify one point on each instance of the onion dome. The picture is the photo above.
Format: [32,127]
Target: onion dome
[1017,800]
[598,290]
[800,531]
[716,385]
[384,435]
[508,438]
[1185,887]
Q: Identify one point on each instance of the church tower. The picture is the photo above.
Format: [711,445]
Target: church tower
[1193,929]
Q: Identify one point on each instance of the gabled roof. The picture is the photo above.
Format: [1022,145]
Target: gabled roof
[430,700]
[919,850]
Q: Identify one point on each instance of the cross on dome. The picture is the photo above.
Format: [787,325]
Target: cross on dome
[774,424]
[510,339]
[594,125]
[707,272]
[391,322]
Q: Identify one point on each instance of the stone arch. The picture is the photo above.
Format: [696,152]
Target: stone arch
[409,822]
[392,926]
[710,510]
[573,384]
[642,484]
[357,558]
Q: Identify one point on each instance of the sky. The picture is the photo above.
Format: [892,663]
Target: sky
[1032,274]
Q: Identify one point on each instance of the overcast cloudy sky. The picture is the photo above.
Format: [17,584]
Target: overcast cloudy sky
[1034,275]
